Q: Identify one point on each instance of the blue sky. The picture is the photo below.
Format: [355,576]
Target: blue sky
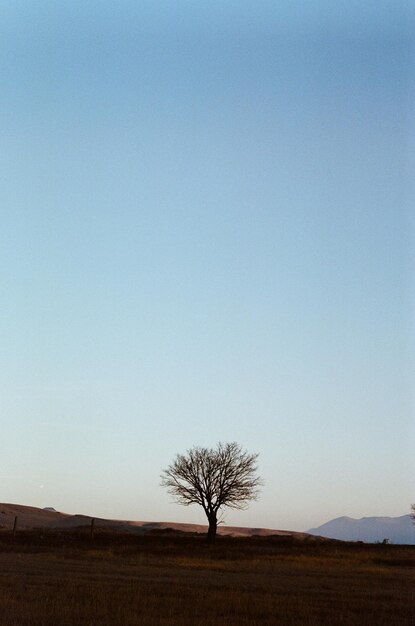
[206,237]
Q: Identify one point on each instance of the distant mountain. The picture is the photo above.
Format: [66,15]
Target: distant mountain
[369,529]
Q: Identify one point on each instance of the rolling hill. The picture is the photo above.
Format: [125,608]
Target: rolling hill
[32,518]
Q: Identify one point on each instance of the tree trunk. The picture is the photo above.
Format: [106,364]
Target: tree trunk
[213,525]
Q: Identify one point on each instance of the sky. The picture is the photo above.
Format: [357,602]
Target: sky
[206,236]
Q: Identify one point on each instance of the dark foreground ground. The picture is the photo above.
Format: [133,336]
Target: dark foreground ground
[58,579]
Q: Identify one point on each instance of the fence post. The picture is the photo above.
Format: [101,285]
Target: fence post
[15,526]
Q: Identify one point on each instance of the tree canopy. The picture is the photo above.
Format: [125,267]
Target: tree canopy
[225,476]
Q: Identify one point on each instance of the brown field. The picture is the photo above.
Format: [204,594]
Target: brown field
[51,578]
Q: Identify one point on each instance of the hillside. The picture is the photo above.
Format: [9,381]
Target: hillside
[32,518]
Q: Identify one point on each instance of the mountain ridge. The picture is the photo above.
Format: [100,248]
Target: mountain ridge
[400,530]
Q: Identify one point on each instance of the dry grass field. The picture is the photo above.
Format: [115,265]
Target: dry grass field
[63,579]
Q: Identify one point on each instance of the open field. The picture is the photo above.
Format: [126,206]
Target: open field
[53,578]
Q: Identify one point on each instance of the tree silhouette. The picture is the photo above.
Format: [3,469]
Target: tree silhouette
[213,478]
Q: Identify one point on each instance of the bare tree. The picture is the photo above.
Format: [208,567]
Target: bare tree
[213,478]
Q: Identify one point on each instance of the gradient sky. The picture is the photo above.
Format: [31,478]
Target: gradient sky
[206,236]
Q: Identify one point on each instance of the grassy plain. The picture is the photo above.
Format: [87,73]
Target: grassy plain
[63,579]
